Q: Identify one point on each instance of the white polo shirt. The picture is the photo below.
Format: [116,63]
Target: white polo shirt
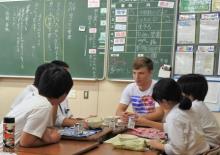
[33,115]
[185,135]
[30,90]
[208,122]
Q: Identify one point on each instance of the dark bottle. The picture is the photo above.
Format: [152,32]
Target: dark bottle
[8,134]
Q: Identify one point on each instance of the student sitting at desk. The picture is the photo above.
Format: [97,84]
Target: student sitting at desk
[31,90]
[33,116]
[64,116]
[138,94]
[195,87]
[185,135]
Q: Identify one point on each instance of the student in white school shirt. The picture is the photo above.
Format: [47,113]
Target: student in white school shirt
[31,90]
[138,94]
[195,87]
[64,117]
[33,116]
[185,135]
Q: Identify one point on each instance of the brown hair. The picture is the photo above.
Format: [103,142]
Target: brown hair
[141,62]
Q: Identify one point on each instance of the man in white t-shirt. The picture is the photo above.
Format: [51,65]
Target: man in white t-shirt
[33,116]
[138,94]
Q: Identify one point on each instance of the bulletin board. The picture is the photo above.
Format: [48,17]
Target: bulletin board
[198,44]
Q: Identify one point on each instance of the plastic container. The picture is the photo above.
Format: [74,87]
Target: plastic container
[8,134]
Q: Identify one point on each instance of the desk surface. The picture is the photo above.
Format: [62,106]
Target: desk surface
[107,149]
[64,147]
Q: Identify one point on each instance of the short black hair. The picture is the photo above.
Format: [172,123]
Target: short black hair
[55,82]
[168,89]
[40,69]
[60,63]
[195,85]
[141,62]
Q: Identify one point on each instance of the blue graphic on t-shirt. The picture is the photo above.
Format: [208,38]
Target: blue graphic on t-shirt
[138,106]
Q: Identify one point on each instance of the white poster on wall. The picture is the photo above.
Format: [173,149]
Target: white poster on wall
[184,60]
[204,62]
[209,25]
[186,29]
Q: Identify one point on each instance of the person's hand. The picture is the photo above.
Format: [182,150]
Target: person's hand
[141,120]
[51,135]
[125,115]
[155,144]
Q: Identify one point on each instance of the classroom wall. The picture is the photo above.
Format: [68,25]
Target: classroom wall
[103,96]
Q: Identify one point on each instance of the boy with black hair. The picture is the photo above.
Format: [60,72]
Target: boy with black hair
[195,87]
[31,90]
[64,116]
[61,64]
[33,116]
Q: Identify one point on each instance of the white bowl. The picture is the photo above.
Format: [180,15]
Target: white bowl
[94,122]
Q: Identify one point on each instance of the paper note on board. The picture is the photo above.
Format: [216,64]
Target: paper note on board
[186,29]
[120,27]
[204,62]
[184,60]
[121,34]
[93,3]
[209,25]
[121,19]
[118,48]
[92,30]
[165,4]
[119,41]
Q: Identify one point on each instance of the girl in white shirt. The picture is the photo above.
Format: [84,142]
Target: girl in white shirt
[185,136]
[195,87]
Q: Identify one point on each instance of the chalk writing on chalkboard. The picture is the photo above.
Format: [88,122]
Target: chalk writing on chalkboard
[144,29]
[33,32]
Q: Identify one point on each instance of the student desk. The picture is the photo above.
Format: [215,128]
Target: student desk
[107,149]
[67,147]
[64,147]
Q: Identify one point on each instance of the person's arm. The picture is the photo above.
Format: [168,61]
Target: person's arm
[155,144]
[36,131]
[54,113]
[142,121]
[155,116]
[124,102]
[68,122]
[50,136]
[121,109]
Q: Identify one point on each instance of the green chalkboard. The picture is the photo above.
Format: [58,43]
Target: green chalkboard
[140,28]
[37,31]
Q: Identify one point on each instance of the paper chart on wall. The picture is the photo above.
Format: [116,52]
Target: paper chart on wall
[194,6]
[215,5]
[184,60]
[209,25]
[204,62]
[186,29]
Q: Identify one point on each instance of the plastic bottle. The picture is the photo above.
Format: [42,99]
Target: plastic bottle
[8,134]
